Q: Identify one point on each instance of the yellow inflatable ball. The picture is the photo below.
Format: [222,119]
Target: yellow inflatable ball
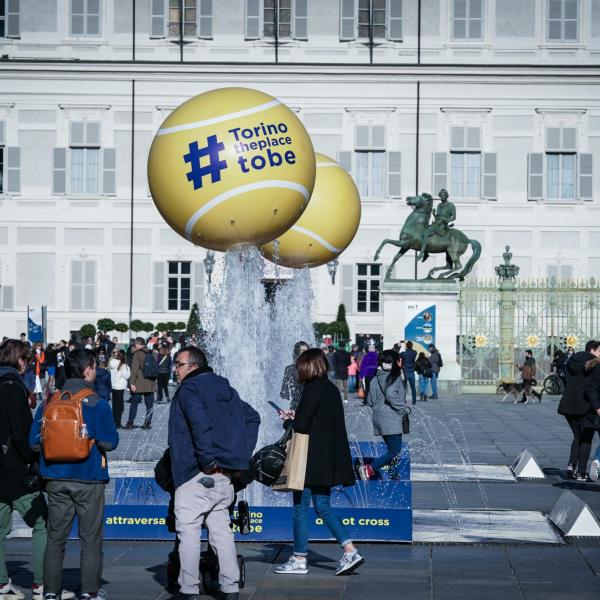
[328,224]
[231,166]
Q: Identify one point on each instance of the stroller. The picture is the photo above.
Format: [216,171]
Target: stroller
[209,563]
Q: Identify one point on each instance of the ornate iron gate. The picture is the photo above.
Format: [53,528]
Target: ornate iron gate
[548,315]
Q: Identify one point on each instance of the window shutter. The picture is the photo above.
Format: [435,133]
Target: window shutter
[13,170]
[158,18]
[301,20]
[362,136]
[489,176]
[109,171]
[13,26]
[348,287]
[473,138]
[8,297]
[205,16]
[535,164]
[158,304]
[252,19]
[344,158]
[89,287]
[585,176]
[378,136]
[2,133]
[394,181]
[59,171]
[347,20]
[199,284]
[76,284]
[440,172]
[553,138]
[77,25]
[395,20]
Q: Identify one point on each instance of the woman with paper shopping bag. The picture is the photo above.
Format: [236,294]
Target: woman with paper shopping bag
[320,415]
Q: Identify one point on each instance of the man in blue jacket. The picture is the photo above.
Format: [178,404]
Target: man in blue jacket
[77,488]
[209,443]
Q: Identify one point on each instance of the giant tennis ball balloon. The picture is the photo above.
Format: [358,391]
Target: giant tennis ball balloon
[231,166]
[328,224]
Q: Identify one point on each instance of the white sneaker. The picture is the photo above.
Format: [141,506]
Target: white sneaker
[349,562]
[595,470]
[8,591]
[293,567]
[38,594]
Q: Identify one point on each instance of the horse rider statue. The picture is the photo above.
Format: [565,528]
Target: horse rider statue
[445,215]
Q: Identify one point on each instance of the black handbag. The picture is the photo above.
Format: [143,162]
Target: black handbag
[406,422]
[266,464]
[592,422]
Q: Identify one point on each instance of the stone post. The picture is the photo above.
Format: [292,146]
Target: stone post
[507,274]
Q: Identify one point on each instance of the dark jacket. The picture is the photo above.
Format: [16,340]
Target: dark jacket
[409,357]
[164,363]
[320,414]
[592,391]
[573,401]
[435,358]
[341,361]
[207,426]
[15,423]
[423,367]
[97,415]
[368,365]
[142,385]
[103,383]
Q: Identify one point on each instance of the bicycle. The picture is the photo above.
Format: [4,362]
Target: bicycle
[554,385]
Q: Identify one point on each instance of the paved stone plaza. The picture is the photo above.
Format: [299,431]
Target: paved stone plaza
[502,561]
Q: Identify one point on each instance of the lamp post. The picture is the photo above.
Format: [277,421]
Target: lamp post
[332,266]
[209,264]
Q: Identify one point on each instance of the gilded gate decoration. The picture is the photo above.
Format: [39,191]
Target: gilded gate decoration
[546,315]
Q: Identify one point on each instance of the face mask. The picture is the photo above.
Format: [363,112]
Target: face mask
[386,366]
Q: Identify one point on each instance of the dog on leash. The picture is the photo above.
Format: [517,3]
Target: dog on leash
[516,392]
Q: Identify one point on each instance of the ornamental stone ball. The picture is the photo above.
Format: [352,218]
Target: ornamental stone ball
[231,166]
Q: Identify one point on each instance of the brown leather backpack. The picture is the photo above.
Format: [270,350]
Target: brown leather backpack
[63,432]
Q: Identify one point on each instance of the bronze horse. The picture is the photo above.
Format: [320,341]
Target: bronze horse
[452,242]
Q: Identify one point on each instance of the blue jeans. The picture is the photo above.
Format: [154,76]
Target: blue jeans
[434,377]
[410,377]
[322,505]
[423,383]
[148,401]
[392,456]
[352,383]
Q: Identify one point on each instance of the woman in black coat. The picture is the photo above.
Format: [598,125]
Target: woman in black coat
[320,414]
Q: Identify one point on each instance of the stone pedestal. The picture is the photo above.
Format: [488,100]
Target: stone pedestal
[400,297]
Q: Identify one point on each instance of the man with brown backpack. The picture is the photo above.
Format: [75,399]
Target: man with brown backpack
[74,429]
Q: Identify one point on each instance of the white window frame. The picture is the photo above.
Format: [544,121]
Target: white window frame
[370,279]
[85,16]
[563,20]
[562,172]
[469,149]
[467,20]
[81,287]
[179,276]
[369,145]
[87,146]
[294,18]
[390,22]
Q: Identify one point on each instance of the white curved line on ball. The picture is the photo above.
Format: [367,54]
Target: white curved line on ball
[227,117]
[242,189]
[317,238]
[328,164]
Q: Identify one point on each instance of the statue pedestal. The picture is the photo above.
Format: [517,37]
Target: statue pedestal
[404,300]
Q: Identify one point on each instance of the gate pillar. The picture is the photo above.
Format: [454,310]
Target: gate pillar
[508,275]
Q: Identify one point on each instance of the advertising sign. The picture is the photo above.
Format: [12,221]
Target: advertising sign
[420,325]
[35,332]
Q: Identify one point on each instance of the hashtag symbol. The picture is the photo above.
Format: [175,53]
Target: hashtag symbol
[214,166]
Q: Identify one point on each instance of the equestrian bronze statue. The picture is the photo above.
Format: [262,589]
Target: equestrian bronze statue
[435,238]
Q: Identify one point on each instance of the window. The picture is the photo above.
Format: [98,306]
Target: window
[368,282]
[563,20]
[168,17]
[179,285]
[84,154]
[10,25]
[85,17]
[467,20]
[370,159]
[176,18]
[289,18]
[83,284]
[561,173]
[361,18]
[465,162]
[559,272]
[10,165]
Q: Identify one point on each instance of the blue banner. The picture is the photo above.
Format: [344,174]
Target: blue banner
[420,325]
[34,325]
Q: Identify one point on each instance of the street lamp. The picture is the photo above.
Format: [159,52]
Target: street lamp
[209,264]
[332,266]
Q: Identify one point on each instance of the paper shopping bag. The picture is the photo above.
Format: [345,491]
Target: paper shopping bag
[294,470]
